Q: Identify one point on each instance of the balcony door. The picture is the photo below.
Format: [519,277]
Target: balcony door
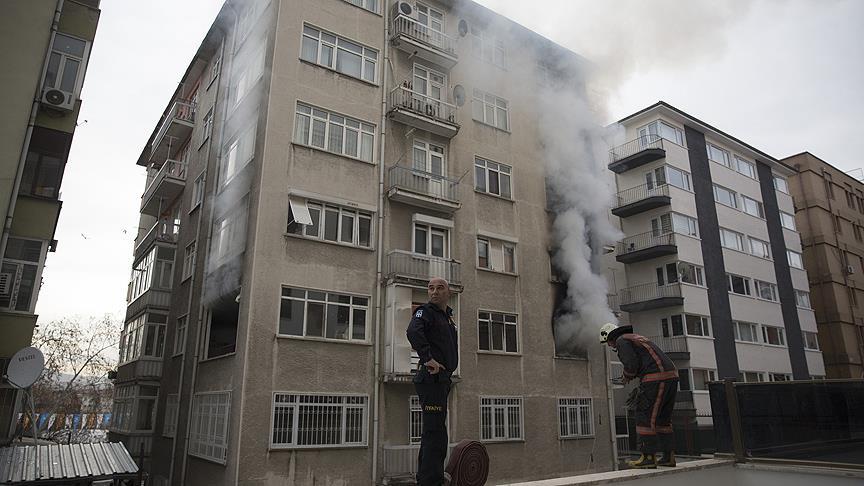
[431,24]
[429,88]
[429,165]
[434,243]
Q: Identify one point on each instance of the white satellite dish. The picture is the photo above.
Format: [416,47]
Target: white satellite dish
[25,367]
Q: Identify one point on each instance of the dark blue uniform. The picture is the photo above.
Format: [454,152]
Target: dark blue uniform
[432,334]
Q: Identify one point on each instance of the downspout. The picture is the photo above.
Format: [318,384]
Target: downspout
[380,260]
[22,159]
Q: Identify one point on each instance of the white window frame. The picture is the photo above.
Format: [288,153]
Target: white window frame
[507,321]
[781,184]
[724,155]
[340,45]
[229,234]
[788,221]
[709,375]
[497,255]
[766,254]
[128,400]
[369,5]
[13,279]
[307,117]
[732,194]
[743,376]
[488,48]
[684,175]
[63,59]
[430,151]
[172,411]
[491,110]
[802,299]
[198,191]
[329,299]
[748,285]
[247,76]
[507,405]
[754,331]
[318,212]
[750,172]
[294,402]
[136,335]
[781,333]
[189,255]
[657,127]
[180,335]
[667,325]
[206,127]
[211,443]
[780,377]
[698,273]
[483,171]
[747,208]
[796,260]
[575,418]
[431,230]
[759,286]
[237,154]
[731,240]
[814,335]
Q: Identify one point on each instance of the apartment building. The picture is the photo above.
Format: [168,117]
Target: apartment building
[829,214]
[317,164]
[41,84]
[713,260]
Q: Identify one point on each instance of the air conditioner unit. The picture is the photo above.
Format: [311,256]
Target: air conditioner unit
[58,99]
[404,9]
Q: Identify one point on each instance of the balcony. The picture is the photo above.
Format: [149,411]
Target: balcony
[640,199]
[176,126]
[422,112]
[423,189]
[645,246]
[166,186]
[674,346]
[164,232]
[150,299]
[410,267]
[650,296]
[415,38]
[635,153]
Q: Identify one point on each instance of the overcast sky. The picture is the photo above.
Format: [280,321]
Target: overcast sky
[784,76]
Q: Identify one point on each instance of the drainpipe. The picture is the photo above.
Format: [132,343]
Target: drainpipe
[22,159]
[380,263]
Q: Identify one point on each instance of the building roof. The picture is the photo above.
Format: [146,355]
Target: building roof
[29,464]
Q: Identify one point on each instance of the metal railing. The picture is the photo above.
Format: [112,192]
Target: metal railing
[671,344]
[425,183]
[643,241]
[422,267]
[403,97]
[648,291]
[638,193]
[171,168]
[183,110]
[411,28]
[633,147]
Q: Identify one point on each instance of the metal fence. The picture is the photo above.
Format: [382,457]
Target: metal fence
[183,110]
[633,147]
[411,28]
[638,193]
[424,183]
[648,291]
[643,241]
[422,267]
[403,97]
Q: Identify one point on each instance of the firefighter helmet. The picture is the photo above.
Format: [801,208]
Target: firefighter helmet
[605,330]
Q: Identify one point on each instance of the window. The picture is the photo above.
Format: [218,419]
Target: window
[857,230]
[189,260]
[172,411]
[370,5]
[415,420]
[236,154]
[215,68]
[747,332]
[154,270]
[690,273]
[787,221]
[802,299]
[492,177]
[229,234]
[430,158]
[21,274]
[667,274]
[500,418]
[702,377]
[247,75]
[684,380]
[66,64]
[765,290]
[431,240]
[759,248]
[491,110]
[134,408]
[46,161]
[678,178]
[737,285]
[340,54]
[780,376]
[725,196]
[781,185]
[180,335]
[664,130]
[731,239]
[829,187]
[745,167]
[677,325]
[751,377]
[488,48]
[318,421]
[853,298]
[850,198]
[496,255]
[752,207]
[207,126]
[312,313]
[575,418]
[143,336]
[697,325]
[680,224]
[795,260]
[497,332]
[315,127]
[246,21]
[328,222]
[430,17]
[198,191]
[208,438]
[810,340]
[773,335]
[718,155]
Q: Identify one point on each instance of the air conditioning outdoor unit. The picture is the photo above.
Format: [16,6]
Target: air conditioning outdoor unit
[58,99]
[404,9]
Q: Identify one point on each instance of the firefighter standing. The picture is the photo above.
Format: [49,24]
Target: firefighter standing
[432,334]
[658,384]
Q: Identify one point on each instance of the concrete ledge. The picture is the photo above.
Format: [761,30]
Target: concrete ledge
[629,474]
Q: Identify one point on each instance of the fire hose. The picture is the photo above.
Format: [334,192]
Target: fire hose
[469,464]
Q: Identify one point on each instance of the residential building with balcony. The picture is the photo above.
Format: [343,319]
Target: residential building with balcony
[829,214]
[712,257]
[319,162]
[41,84]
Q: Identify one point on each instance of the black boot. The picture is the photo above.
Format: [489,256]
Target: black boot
[667,459]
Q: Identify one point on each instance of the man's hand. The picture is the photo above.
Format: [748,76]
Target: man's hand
[434,367]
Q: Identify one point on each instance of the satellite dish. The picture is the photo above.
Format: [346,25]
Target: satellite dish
[25,367]
[459,94]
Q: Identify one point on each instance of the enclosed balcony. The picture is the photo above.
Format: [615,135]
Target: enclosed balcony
[166,186]
[176,127]
[645,246]
[640,199]
[650,296]
[164,233]
[414,38]
[422,112]
[635,153]
[152,298]
[423,189]
[410,267]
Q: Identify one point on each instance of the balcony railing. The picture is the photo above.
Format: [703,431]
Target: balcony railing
[633,147]
[639,193]
[404,98]
[424,183]
[422,267]
[167,185]
[181,110]
[664,295]
[671,344]
[164,231]
[643,241]
[415,30]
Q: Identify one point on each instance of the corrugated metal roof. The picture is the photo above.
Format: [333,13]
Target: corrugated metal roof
[24,463]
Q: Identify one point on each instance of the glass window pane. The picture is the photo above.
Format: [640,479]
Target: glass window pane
[312,229]
[70,75]
[511,339]
[480,178]
[301,129]
[505,186]
[493,183]
[315,320]
[309,51]
[437,245]
[365,230]
[69,45]
[338,319]
[318,129]
[351,143]
[331,224]
[326,55]
[358,330]
[291,317]
[334,144]
[420,240]
[366,146]
[53,69]
[348,63]
[347,235]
